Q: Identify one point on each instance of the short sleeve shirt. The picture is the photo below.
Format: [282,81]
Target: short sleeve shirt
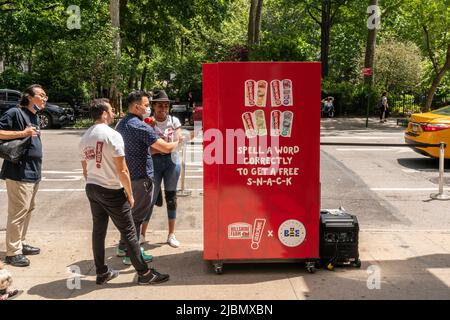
[29,169]
[98,147]
[166,129]
[138,137]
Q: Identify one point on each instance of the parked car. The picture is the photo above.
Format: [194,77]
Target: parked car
[53,116]
[430,127]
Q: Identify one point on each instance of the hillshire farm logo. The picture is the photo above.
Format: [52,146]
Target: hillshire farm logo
[292,233]
[240,230]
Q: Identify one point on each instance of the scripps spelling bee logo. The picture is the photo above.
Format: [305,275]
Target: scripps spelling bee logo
[291,233]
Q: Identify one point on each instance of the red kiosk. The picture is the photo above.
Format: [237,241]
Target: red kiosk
[261,143]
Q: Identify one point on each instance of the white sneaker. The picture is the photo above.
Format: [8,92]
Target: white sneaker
[142,239]
[172,241]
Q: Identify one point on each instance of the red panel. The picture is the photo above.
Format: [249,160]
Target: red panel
[248,215]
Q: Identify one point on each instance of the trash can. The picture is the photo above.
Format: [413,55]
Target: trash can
[261,157]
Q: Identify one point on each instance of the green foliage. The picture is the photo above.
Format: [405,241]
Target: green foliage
[160,38]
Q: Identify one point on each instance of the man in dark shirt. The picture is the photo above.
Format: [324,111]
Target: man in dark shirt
[22,179]
[138,137]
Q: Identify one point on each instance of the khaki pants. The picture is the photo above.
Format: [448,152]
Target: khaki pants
[21,204]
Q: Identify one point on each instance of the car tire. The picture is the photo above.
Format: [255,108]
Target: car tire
[45,120]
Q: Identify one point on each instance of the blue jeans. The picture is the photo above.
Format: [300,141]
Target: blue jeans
[167,168]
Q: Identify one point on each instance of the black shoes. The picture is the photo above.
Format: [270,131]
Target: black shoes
[104,278]
[153,277]
[18,261]
[29,250]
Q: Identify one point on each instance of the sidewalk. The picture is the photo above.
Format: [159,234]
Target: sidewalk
[412,265]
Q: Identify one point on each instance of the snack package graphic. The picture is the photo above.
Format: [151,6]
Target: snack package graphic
[260,120]
[249,125]
[261,93]
[275,123]
[275,93]
[288,117]
[287,93]
[250,93]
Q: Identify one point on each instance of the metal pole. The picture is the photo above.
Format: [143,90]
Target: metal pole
[182,192]
[441,195]
[368,105]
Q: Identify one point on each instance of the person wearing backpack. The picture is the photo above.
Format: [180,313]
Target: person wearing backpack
[22,178]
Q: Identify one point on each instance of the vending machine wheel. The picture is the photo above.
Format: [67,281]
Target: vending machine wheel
[357,264]
[218,267]
[311,267]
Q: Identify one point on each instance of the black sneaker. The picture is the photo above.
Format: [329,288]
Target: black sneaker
[104,278]
[153,277]
[18,261]
[29,250]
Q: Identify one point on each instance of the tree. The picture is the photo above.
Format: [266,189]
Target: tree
[429,26]
[254,22]
[398,66]
[328,10]
[114,10]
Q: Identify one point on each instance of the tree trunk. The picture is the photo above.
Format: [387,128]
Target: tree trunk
[325,36]
[370,49]
[437,80]
[114,10]
[254,23]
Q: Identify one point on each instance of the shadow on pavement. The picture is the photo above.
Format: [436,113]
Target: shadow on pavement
[399,279]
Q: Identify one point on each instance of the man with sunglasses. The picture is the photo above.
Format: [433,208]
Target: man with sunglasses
[22,178]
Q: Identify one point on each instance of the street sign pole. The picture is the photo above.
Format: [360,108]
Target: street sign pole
[368,72]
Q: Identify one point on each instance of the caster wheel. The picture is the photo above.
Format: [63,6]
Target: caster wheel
[311,269]
[357,264]
[218,268]
[330,267]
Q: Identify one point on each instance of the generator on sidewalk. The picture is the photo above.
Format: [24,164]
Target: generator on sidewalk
[339,237]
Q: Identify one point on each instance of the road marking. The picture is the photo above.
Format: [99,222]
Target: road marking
[62,172]
[194,177]
[357,137]
[67,178]
[81,190]
[405,189]
[366,149]
[54,190]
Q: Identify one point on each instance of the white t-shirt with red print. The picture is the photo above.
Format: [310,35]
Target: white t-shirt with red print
[98,147]
[166,129]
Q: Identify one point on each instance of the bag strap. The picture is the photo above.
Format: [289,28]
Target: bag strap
[25,117]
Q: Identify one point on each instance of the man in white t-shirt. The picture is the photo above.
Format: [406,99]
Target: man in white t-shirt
[108,188]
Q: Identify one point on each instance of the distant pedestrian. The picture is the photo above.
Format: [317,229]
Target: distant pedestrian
[22,178]
[110,194]
[384,107]
[138,137]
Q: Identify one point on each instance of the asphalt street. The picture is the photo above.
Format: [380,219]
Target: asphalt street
[403,233]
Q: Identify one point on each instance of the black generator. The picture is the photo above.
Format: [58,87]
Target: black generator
[339,236]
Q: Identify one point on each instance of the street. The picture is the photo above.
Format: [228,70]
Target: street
[402,232]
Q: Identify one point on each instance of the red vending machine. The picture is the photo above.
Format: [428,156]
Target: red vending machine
[261,156]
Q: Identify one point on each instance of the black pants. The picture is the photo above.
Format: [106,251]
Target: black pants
[105,204]
[143,196]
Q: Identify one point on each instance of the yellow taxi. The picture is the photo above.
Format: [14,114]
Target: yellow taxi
[430,127]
